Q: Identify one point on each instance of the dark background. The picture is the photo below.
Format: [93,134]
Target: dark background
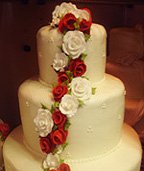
[19,22]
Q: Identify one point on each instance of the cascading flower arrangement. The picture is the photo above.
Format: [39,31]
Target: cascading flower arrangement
[4,130]
[72,89]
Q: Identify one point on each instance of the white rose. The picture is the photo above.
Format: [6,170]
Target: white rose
[74,43]
[51,161]
[62,10]
[81,88]
[43,122]
[83,14]
[69,105]
[67,8]
[60,61]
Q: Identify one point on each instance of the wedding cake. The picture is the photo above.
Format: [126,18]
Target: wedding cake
[72,113]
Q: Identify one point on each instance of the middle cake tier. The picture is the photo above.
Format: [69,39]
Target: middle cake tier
[94,130]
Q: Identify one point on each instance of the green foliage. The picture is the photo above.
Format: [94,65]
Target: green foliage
[87,37]
[93,91]
[55,127]
[43,106]
[83,56]
[61,160]
[69,74]
[76,25]
[64,145]
[56,104]
[67,125]
[81,103]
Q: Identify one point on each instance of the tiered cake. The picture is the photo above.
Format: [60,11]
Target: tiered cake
[72,114]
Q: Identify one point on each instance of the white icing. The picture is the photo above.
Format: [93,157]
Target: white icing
[119,117]
[104,106]
[27,104]
[90,129]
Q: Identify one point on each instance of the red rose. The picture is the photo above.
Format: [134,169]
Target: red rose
[59,136]
[62,124]
[59,91]
[59,118]
[78,67]
[4,129]
[67,23]
[64,167]
[85,26]
[62,77]
[46,145]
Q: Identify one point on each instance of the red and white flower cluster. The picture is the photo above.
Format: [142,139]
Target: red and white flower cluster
[68,17]
[72,88]
[4,130]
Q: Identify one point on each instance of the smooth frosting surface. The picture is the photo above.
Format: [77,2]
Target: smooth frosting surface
[49,42]
[98,122]
[125,157]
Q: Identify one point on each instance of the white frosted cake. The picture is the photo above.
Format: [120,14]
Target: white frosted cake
[72,113]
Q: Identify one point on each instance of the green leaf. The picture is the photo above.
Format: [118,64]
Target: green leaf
[52,109]
[69,73]
[93,91]
[85,77]
[56,104]
[65,82]
[64,145]
[43,106]
[46,169]
[54,84]
[67,125]
[87,37]
[76,25]
[83,56]
[69,91]
[61,160]
[81,103]
[55,127]
[1,137]
[55,151]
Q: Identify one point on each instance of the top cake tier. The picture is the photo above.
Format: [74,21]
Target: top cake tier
[49,41]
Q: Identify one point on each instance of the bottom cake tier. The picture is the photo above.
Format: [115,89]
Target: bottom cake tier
[126,156]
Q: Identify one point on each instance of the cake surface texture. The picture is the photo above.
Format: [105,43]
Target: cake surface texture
[72,113]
